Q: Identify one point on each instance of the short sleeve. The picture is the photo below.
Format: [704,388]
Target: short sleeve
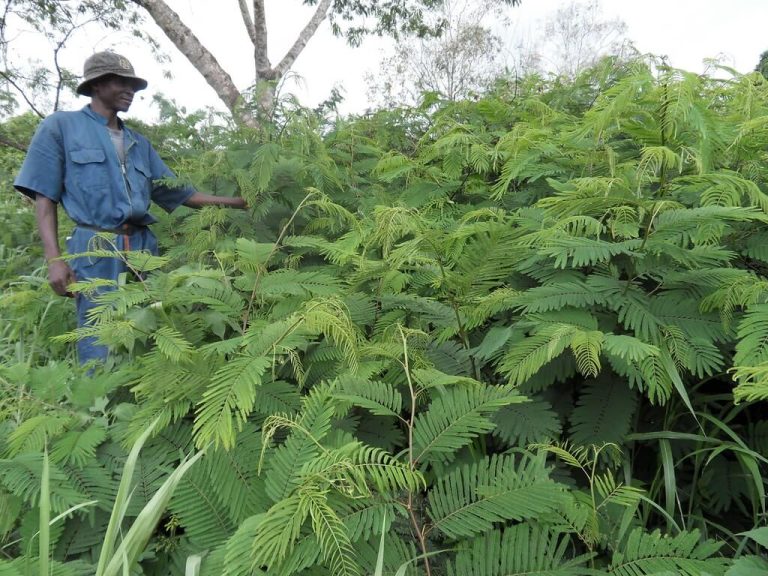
[165,195]
[42,171]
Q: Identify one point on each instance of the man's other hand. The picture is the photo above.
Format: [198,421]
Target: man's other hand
[60,276]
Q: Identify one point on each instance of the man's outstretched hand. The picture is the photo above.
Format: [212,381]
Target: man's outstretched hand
[198,200]
[60,276]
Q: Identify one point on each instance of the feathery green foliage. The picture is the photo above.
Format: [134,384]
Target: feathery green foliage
[517,335]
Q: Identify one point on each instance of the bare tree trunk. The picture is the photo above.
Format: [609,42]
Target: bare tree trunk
[260,52]
[257,31]
[307,33]
[264,74]
[218,78]
[198,55]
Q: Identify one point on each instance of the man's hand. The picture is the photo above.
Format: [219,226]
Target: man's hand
[60,276]
[198,200]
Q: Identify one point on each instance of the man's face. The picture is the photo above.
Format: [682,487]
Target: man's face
[114,92]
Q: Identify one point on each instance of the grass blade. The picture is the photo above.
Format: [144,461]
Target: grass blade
[192,567]
[752,469]
[669,366]
[45,517]
[121,501]
[144,525]
[759,535]
[404,566]
[670,484]
[380,558]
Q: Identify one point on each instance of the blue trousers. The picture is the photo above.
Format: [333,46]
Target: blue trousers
[101,267]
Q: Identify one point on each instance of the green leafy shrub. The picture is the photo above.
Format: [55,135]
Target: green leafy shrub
[523,335]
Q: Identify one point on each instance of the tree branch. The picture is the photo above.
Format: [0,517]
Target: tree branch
[301,41]
[261,52]
[247,20]
[7,77]
[197,54]
[5,141]
[59,46]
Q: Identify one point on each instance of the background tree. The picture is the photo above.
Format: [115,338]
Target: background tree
[475,50]
[577,36]
[59,20]
[350,19]
[42,81]
[463,60]
[762,65]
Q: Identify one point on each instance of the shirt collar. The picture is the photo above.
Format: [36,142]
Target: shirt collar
[98,117]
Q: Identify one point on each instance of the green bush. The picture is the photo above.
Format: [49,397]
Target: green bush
[524,334]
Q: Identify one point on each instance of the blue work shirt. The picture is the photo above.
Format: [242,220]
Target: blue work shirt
[72,160]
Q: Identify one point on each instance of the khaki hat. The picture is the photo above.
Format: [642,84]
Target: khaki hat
[104,63]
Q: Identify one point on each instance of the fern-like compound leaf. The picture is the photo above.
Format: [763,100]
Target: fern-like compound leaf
[651,553]
[603,412]
[275,532]
[306,432]
[172,343]
[468,501]
[456,417]
[380,398]
[229,400]
[523,549]
[331,534]
[528,422]
[526,356]
[79,446]
[205,521]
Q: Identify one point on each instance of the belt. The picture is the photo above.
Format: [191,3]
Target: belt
[126,228]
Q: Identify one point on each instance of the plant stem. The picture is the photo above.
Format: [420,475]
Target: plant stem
[280,237]
[420,535]
[455,306]
[412,417]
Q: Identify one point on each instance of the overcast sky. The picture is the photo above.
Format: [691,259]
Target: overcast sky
[687,31]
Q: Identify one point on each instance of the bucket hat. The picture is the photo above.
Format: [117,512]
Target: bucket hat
[104,63]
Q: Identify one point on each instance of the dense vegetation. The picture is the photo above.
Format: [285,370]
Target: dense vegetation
[526,334]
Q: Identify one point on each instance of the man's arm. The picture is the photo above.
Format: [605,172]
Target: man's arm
[60,275]
[198,200]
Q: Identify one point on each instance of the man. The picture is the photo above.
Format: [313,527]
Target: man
[104,175]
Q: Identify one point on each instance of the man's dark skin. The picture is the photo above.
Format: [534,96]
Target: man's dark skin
[109,95]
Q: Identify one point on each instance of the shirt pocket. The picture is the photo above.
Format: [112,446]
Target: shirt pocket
[140,179]
[144,173]
[90,169]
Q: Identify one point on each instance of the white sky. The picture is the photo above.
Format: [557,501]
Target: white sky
[687,31]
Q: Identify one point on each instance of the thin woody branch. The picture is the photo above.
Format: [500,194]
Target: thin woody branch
[247,20]
[5,141]
[261,51]
[301,41]
[189,45]
[7,77]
